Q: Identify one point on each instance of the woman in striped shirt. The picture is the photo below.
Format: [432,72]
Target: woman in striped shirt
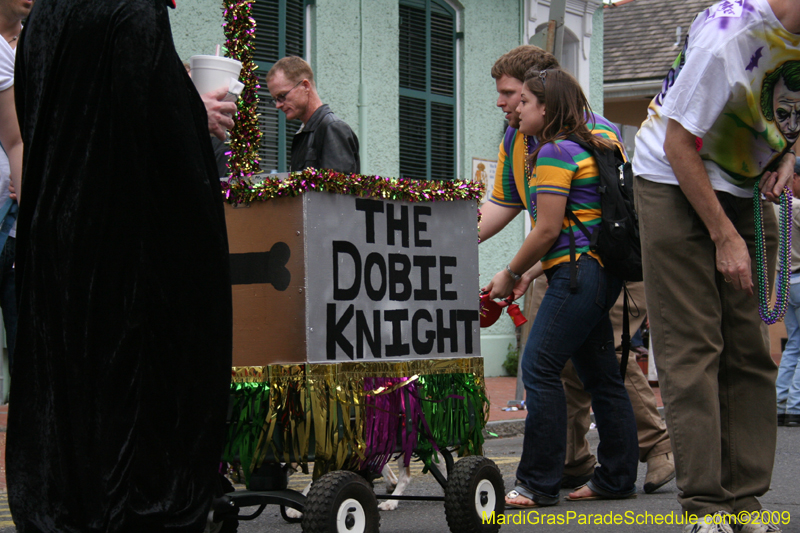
[571,322]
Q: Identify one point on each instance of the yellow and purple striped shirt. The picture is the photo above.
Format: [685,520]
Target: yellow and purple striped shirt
[560,174]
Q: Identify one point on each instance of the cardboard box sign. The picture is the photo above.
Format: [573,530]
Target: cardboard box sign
[324,277]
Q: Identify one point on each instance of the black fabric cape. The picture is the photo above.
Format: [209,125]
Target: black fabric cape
[122,374]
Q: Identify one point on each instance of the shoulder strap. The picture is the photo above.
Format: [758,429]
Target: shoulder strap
[626,333]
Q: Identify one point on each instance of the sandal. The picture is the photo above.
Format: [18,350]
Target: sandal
[515,494]
[524,492]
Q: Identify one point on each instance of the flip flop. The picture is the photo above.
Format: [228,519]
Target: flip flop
[596,496]
[514,494]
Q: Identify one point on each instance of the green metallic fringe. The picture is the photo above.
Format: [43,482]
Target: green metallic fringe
[250,404]
[456,409]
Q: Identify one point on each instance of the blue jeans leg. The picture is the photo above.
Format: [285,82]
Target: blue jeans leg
[787,384]
[576,325]
[8,298]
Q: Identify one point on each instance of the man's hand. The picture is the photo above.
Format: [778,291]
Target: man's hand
[219,112]
[733,262]
[773,182]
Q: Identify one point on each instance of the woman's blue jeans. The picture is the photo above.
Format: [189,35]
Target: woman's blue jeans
[788,383]
[577,326]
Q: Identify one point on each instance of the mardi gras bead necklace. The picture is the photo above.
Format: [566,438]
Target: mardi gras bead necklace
[528,172]
[771,316]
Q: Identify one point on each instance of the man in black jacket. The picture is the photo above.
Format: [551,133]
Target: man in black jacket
[324,141]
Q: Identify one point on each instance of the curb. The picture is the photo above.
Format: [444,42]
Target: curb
[512,428]
[504,428]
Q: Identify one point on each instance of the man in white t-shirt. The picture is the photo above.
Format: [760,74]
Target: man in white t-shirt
[12,13]
[722,123]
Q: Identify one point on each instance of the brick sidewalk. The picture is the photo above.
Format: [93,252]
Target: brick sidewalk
[501,390]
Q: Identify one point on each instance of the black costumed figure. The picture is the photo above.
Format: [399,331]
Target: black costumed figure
[122,376]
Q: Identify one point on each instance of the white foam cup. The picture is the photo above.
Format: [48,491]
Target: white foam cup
[213,72]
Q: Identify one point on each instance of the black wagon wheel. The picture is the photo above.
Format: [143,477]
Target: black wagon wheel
[475,490]
[228,525]
[341,502]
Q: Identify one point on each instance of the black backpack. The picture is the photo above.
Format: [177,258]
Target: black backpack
[616,238]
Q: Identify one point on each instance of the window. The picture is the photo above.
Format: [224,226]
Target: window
[570,52]
[427,89]
[280,32]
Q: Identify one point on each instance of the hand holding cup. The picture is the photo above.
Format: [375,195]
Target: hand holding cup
[219,112]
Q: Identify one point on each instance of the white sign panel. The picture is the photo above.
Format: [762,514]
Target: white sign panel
[388,280]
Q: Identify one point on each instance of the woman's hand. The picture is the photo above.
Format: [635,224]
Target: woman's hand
[525,281]
[501,286]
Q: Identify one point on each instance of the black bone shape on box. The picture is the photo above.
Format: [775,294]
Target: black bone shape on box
[262,267]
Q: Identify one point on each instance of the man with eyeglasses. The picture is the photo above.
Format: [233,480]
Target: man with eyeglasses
[324,140]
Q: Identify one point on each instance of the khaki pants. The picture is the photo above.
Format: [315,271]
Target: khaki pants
[651,431]
[715,371]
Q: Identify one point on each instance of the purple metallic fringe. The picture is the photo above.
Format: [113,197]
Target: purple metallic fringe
[381,425]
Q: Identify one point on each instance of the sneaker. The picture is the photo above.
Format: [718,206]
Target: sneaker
[660,471]
[710,523]
[756,526]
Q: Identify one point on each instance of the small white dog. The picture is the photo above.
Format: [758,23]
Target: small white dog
[394,485]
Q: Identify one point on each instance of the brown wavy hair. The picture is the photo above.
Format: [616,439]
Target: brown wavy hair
[521,59]
[566,109]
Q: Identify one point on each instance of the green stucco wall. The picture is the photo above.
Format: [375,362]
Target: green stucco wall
[338,64]
[197,27]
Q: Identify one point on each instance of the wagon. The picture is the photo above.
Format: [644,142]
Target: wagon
[356,339]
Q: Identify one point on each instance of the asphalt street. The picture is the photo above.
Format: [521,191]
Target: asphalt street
[420,516]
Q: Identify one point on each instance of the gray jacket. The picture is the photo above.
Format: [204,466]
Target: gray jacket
[326,141]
